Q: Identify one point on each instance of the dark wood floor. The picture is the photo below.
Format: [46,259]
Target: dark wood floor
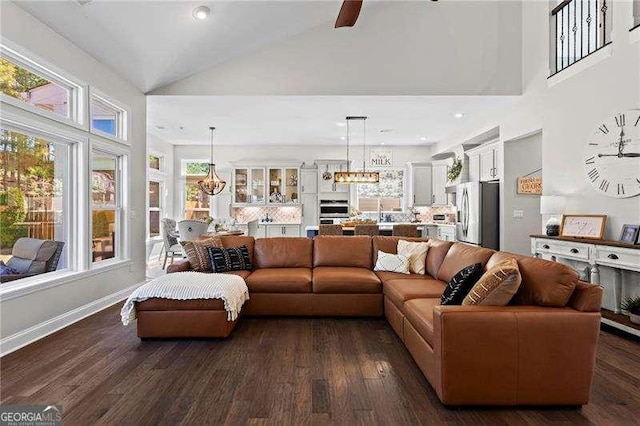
[273,371]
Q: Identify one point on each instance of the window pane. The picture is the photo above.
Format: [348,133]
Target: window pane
[103,234]
[154,223]
[104,117]
[30,88]
[388,192]
[154,195]
[154,162]
[104,199]
[196,204]
[198,169]
[33,196]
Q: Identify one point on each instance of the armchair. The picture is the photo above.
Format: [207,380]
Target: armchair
[31,256]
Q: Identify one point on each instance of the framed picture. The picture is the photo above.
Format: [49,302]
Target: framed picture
[583,226]
[629,234]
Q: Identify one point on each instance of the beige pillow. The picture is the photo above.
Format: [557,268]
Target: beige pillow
[416,253]
[392,263]
[197,254]
[497,286]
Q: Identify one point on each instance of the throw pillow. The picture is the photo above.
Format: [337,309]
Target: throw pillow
[392,263]
[497,286]
[7,270]
[197,253]
[229,259]
[417,254]
[461,284]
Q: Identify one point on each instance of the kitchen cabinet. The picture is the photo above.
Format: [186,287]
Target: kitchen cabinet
[446,232]
[278,230]
[248,185]
[310,212]
[327,185]
[474,168]
[309,180]
[431,231]
[485,163]
[420,176]
[439,183]
[283,185]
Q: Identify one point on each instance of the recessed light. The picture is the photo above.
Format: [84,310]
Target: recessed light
[341,124]
[381,143]
[423,138]
[201,12]
[342,138]
[458,115]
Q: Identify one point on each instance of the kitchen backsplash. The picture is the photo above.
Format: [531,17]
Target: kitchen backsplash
[284,214]
[426,214]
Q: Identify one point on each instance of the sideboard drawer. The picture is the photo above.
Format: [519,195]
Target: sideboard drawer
[563,248]
[618,256]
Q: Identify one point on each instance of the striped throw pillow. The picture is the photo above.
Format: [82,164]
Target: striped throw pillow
[497,286]
[229,259]
[197,254]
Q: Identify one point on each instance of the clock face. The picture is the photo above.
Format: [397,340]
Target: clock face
[612,156]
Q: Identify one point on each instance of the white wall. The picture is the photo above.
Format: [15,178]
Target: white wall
[521,157]
[404,48]
[260,155]
[21,313]
[567,109]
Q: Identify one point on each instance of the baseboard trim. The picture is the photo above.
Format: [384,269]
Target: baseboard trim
[32,334]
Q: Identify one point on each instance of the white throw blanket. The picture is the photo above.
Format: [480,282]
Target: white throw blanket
[191,285]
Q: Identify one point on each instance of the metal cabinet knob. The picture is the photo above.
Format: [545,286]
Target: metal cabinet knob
[574,250]
[546,246]
[613,256]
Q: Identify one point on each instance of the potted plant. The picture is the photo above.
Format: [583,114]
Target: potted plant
[631,305]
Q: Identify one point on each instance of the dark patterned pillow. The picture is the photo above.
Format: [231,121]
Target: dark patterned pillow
[229,259]
[461,284]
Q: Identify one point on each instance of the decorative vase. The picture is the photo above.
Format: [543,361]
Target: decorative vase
[553,227]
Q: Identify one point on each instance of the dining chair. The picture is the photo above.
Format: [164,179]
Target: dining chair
[170,244]
[330,230]
[367,229]
[405,231]
[190,230]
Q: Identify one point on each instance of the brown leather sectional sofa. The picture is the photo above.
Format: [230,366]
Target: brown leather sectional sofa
[539,350]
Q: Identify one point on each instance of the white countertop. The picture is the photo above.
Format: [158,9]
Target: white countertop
[389,225]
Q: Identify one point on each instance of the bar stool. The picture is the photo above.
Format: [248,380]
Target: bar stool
[405,231]
[330,230]
[367,229]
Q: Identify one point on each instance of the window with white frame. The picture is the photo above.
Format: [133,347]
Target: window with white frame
[34,199]
[196,203]
[155,207]
[107,118]
[106,207]
[156,163]
[387,195]
[34,86]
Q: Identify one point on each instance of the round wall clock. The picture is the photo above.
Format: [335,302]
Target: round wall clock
[612,156]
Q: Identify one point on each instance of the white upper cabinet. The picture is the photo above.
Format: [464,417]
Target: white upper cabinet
[485,162]
[474,168]
[420,181]
[309,181]
[439,179]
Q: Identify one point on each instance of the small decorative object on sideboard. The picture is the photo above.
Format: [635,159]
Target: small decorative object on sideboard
[552,205]
[631,305]
[583,226]
[629,234]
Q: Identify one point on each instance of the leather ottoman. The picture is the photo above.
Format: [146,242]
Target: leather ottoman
[168,318]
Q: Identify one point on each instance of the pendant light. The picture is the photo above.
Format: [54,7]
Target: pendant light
[212,184]
[364,176]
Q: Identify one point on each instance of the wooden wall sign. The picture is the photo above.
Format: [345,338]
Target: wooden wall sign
[530,185]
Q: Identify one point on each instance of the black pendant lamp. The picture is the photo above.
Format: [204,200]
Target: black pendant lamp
[212,184]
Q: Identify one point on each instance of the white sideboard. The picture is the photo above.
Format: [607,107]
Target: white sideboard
[596,253]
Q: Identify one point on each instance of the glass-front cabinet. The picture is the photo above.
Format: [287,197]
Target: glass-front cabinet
[283,185]
[248,184]
[266,185]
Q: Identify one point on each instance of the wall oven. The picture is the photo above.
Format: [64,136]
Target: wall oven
[332,211]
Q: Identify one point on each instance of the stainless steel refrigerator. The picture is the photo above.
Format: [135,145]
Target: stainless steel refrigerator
[478,206]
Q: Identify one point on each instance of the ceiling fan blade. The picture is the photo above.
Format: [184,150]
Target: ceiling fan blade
[348,13]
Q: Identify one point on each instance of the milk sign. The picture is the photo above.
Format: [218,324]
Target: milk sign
[380,157]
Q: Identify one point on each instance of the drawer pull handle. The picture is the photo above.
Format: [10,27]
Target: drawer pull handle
[613,256]
[546,246]
[573,250]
